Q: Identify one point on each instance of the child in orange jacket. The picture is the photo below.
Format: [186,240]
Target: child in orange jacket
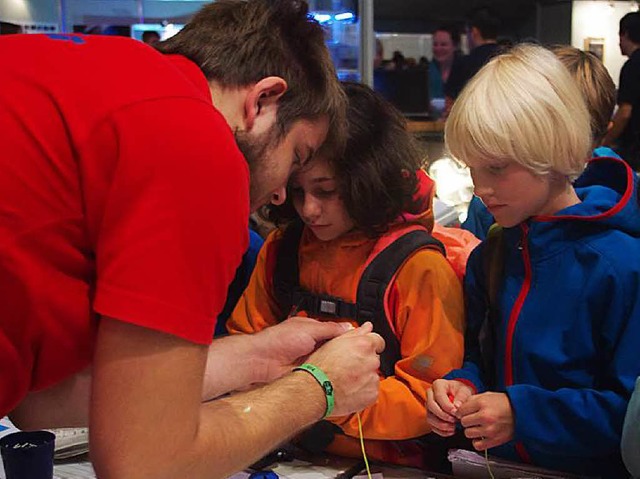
[350,207]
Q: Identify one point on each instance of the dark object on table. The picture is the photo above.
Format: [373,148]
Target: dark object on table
[282,454]
[28,455]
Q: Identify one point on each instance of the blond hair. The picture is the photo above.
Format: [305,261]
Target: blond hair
[522,106]
[596,85]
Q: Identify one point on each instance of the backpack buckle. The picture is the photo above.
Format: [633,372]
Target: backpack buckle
[328,307]
[334,307]
[323,304]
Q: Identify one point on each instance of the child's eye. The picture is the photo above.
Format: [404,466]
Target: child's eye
[496,169]
[326,193]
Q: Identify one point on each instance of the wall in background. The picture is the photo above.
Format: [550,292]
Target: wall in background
[553,23]
[74,12]
[29,11]
[124,12]
[599,21]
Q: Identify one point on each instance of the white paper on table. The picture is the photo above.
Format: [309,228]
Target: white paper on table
[471,465]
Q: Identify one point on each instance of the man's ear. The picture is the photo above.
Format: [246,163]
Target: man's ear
[262,99]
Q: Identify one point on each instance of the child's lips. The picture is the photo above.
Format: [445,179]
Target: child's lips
[495,207]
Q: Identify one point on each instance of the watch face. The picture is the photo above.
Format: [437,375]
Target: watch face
[328,388]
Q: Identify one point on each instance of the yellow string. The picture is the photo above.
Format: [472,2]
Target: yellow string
[364,453]
[486,456]
[366,461]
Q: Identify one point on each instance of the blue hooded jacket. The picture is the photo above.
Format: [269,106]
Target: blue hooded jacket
[568,331]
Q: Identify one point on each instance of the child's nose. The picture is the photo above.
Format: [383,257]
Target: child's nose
[311,208]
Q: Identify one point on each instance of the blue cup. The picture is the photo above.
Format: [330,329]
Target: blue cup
[28,455]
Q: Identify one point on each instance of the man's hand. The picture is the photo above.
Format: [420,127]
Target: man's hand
[443,400]
[618,124]
[487,419]
[265,356]
[282,347]
[351,362]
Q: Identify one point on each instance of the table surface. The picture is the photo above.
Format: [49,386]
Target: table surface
[415,126]
[320,468]
[330,467]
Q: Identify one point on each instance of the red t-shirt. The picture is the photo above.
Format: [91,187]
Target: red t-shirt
[123,194]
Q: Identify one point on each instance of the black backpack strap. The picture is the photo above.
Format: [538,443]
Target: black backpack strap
[286,275]
[493,268]
[289,294]
[375,282]
[324,305]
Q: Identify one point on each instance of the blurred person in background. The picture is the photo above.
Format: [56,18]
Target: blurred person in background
[482,36]
[446,51]
[624,135]
[150,37]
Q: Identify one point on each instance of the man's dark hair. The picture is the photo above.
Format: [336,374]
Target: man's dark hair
[239,42]
[376,175]
[630,25]
[452,30]
[149,36]
[487,23]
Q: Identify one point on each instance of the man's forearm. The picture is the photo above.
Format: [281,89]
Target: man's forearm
[233,432]
[619,123]
[141,430]
[232,364]
[67,404]
[243,427]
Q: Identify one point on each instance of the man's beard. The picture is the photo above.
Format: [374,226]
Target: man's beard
[255,149]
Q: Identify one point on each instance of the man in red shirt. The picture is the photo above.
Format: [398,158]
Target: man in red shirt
[124,212]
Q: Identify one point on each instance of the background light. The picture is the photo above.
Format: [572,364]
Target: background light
[321,17]
[344,16]
[454,186]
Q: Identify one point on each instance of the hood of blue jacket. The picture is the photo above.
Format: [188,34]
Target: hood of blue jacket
[608,200]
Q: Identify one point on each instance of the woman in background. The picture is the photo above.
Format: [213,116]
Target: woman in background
[446,43]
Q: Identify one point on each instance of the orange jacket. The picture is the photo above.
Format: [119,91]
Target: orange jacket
[427,314]
[459,244]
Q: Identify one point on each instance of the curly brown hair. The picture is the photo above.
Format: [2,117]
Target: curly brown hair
[376,172]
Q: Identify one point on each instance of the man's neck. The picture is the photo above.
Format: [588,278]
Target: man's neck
[633,49]
[229,102]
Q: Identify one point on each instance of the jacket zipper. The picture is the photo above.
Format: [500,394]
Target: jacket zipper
[511,325]
[517,307]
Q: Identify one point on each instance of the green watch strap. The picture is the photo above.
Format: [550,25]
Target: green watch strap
[324,382]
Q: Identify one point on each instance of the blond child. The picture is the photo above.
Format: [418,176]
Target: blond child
[567,314]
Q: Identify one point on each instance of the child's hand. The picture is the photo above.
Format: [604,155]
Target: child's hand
[487,419]
[443,400]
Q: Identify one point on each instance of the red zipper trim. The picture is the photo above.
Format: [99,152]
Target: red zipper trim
[626,197]
[522,452]
[517,307]
[511,327]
